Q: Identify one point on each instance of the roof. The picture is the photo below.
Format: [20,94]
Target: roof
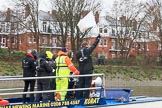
[45,16]
[2,16]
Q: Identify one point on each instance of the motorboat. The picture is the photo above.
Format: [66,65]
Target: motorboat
[109,97]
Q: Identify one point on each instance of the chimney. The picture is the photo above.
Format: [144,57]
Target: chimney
[54,12]
[123,19]
[155,24]
[8,17]
[97,17]
[84,13]
[27,10]
[134,24]
[49,12]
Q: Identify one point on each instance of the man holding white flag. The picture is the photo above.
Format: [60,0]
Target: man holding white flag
[84,56]
[87,22]
[85,61]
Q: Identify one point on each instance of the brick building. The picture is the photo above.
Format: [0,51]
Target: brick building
[144,43]
[15,37]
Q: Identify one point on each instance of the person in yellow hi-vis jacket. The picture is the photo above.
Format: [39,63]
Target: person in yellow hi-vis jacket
[64,67]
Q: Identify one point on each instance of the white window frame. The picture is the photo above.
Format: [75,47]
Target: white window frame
[112,43]
[105,43]
[101,43]
[54,42]
[29,38]
[3,27]
[14,41]
[44,26]
[34,39]
[44,40]
[147,47]
[3,42]
[105,29]
[113,55]
[100,30]
[159,46]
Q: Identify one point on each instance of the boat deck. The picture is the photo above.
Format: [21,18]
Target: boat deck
[147,102]
[109,97]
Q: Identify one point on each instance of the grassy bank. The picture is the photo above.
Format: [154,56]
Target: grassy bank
[10,68]
[139,68]
[144,80]
[131,72]
[123,72]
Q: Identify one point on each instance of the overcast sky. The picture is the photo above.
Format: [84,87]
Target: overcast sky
[44,5]
[4,4]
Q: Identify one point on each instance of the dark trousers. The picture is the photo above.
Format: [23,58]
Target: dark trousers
[84,82]
[42,85]
[32,85]
[52,86]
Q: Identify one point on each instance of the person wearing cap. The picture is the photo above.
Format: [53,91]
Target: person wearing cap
[29,67]
[84,59]
[44,69]
[64,67]
[34,53]
[52,84]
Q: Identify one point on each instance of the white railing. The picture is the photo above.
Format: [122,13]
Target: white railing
[5,91]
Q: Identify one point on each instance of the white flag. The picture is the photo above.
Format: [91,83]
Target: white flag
[87,22]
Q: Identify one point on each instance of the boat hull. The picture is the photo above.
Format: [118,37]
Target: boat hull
[155,104]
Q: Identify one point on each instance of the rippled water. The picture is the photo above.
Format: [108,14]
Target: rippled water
[145,88]
[148,91]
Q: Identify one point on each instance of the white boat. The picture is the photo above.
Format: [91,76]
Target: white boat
[109,97]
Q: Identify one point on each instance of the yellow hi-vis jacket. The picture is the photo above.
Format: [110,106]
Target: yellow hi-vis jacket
[64,62]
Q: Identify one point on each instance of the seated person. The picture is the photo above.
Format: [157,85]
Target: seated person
[96,83]
[57,96]
[72,85]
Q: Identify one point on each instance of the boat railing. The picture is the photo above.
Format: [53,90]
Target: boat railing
[16,90]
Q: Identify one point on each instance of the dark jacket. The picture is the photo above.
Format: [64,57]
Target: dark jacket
[86,65]
[29,66]
[53,66]
[43,66]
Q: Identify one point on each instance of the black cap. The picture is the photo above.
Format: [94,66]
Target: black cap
[34,53]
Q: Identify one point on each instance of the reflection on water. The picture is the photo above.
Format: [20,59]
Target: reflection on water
[145,88]
[155,91]
[148,90]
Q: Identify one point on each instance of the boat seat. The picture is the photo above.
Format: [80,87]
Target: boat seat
[118,94]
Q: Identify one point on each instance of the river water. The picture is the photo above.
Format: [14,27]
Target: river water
[144,88]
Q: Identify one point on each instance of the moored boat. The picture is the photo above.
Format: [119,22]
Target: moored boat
[109,97]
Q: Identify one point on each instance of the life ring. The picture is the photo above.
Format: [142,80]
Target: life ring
[3,102]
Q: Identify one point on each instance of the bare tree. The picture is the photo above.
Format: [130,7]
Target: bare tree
[29,21]
[128,16]
[67,14]
[10,26]
[154,8]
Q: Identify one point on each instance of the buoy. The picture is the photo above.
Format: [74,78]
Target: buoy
[3,102]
